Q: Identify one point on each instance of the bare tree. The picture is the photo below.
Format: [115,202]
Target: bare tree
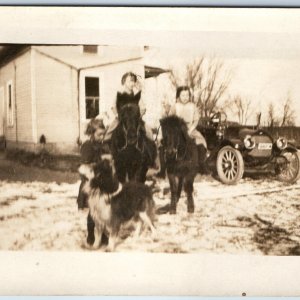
[240,107]
[272,119]
[208,81]
[288,116]
[284,117]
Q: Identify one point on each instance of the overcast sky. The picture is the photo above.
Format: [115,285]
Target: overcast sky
[265,67]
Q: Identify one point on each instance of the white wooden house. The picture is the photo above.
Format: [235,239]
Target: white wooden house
[53,91]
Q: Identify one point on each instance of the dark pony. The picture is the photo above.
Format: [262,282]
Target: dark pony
[181,159]
[132,151]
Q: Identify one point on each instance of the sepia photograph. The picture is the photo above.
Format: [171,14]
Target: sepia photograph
[148,141]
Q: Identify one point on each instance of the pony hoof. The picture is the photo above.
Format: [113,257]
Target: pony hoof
[191,210]
[172,211]
[155,239]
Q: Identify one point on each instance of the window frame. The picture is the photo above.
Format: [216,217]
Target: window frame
[91,97]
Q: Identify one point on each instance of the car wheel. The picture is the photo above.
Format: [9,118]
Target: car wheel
[230,165]
[289,171]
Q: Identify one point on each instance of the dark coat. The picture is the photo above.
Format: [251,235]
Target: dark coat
[90,153]
[124,98]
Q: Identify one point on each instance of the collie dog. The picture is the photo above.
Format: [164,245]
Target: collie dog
[112,204]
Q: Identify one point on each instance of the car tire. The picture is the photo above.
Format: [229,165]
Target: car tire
[230,165]
[292,174]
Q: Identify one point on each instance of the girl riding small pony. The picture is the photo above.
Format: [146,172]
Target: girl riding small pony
[188,111]
[130,84]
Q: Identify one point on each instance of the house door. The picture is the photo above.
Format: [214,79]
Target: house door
[1,112]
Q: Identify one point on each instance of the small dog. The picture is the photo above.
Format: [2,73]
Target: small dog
[112,204]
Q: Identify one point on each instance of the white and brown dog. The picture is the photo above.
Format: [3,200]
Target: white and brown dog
[112,204]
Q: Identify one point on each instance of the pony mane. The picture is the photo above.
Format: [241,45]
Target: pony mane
[128,105]
[174,121]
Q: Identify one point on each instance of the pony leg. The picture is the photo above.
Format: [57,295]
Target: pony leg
[188,187]
[132,171]
[162,172]
[141,174]
[174,190]
[121,174]
[179,189]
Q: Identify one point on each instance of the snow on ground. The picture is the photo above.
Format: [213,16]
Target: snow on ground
[260,216]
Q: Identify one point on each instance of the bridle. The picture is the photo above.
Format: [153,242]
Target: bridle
[124,129]
[175,150]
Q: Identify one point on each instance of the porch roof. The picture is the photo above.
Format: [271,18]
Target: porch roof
[154,71]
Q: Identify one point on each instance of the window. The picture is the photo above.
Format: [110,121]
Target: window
[10,105]
[91,97]
[90,49]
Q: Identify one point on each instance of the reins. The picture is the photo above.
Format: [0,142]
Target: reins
[183,157]
[184,154]
[155,140]
[137,142]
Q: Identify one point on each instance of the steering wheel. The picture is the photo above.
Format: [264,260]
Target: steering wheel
[218,117]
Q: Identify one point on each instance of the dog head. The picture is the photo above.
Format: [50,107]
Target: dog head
[104,176]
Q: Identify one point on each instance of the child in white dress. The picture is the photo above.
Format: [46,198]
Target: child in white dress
[188,111]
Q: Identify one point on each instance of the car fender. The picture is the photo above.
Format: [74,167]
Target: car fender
[234,143]
[290,148]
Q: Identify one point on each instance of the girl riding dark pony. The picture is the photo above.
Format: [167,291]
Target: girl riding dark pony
[132,151]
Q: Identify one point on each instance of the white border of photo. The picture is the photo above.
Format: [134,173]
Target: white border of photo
[97,273]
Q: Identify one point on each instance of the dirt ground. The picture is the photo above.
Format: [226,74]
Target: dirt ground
[259,216]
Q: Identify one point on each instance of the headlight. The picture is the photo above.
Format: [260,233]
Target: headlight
[249,142]
[281,143]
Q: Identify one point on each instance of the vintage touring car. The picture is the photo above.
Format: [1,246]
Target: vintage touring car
[234,150]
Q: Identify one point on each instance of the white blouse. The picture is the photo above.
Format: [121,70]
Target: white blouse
[188,112]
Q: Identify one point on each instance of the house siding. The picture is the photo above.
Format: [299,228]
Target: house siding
[23,98]
[56,103]
[18,71]
[47,96]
